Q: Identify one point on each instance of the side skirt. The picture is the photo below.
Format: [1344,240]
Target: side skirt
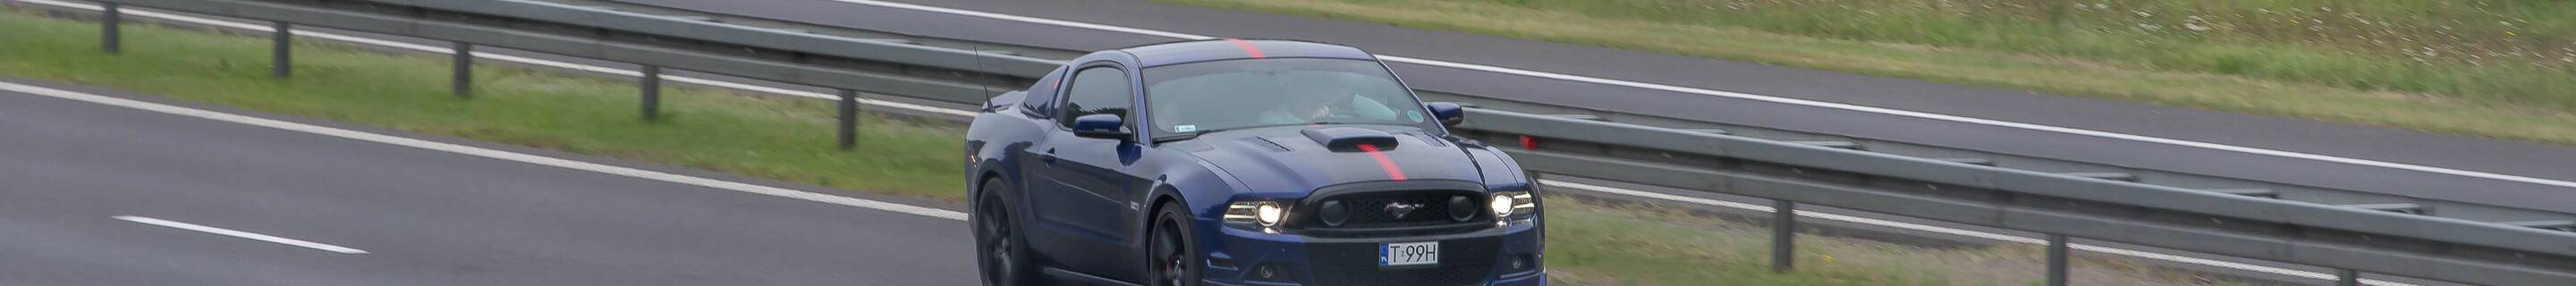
[1066,275]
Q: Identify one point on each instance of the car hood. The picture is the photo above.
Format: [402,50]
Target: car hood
[1288,159]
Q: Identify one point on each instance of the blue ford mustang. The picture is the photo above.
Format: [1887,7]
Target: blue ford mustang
[1241,162]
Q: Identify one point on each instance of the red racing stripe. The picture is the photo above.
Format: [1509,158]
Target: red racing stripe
[1392,171]
[1247,47]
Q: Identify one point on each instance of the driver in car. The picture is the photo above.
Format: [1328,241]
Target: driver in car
[1320,100]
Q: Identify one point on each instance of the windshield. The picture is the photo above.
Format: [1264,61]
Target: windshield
[1220,95]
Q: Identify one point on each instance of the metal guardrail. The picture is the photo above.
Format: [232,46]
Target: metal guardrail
[2546,215]
[2392,238]
[2056,204]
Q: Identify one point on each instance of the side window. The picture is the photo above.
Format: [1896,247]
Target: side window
[1043,95]
[1099,90]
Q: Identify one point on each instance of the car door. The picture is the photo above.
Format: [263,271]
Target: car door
[1081,201]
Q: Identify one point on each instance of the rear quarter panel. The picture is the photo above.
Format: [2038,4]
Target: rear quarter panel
[1003,126]
[996,133]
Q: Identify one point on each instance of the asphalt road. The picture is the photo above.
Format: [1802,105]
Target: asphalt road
[423,217]
[2380,144]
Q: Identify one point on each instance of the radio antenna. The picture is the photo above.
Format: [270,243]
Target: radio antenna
[986,70]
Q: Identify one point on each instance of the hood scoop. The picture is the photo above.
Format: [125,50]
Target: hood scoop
[1349,139]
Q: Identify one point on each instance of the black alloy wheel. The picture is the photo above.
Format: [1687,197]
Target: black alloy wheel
[1170,252]
[1000,255]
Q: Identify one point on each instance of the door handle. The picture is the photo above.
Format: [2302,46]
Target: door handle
[1048,157]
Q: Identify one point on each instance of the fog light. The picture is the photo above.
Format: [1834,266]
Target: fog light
[1270,273]
[1520,262]
[1461,208]
[1334,213]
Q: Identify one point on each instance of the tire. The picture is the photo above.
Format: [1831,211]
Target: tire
[1171,253]
[1002,254]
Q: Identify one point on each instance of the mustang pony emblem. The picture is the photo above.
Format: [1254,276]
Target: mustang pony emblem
[1400,209]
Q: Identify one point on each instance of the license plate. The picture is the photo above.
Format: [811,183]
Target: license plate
[1410,253]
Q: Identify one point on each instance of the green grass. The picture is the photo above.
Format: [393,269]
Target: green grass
[2483,68]
[1593,244]
[790,139]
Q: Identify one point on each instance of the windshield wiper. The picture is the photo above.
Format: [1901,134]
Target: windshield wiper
[1195,134]
[1180,136]
[1357,123]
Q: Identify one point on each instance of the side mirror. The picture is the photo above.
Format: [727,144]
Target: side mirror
[1449,113]
[1103,126]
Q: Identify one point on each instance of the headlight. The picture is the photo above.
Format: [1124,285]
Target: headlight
[1255,214]
[1512,206]
[1269,213]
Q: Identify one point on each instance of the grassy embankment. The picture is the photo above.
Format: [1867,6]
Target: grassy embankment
[2492,68]
[789,139]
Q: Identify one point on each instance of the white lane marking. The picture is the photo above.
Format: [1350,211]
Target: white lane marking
[510,58]
[1766,98]
[1963,232]
[487,153]
[241,234]
[1027,19]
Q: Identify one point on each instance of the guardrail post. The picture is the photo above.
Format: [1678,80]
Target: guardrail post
[2056,260]
[652,87]
[107,20]
[1784,233]
[2347,277]
[463,81]
[283,65]
[849,119]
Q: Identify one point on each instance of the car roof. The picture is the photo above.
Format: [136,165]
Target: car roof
[1228,49]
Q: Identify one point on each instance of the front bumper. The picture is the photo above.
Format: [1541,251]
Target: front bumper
[1482,257]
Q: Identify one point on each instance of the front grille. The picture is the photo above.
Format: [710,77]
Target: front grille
[1371,211]
[1462,262]
[1364,209]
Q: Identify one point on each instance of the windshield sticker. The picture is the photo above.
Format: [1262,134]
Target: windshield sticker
[1185,128]
[1413,115]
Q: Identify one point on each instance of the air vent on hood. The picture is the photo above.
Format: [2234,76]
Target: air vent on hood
[1265,143]
[1426,138]
[1349,139]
